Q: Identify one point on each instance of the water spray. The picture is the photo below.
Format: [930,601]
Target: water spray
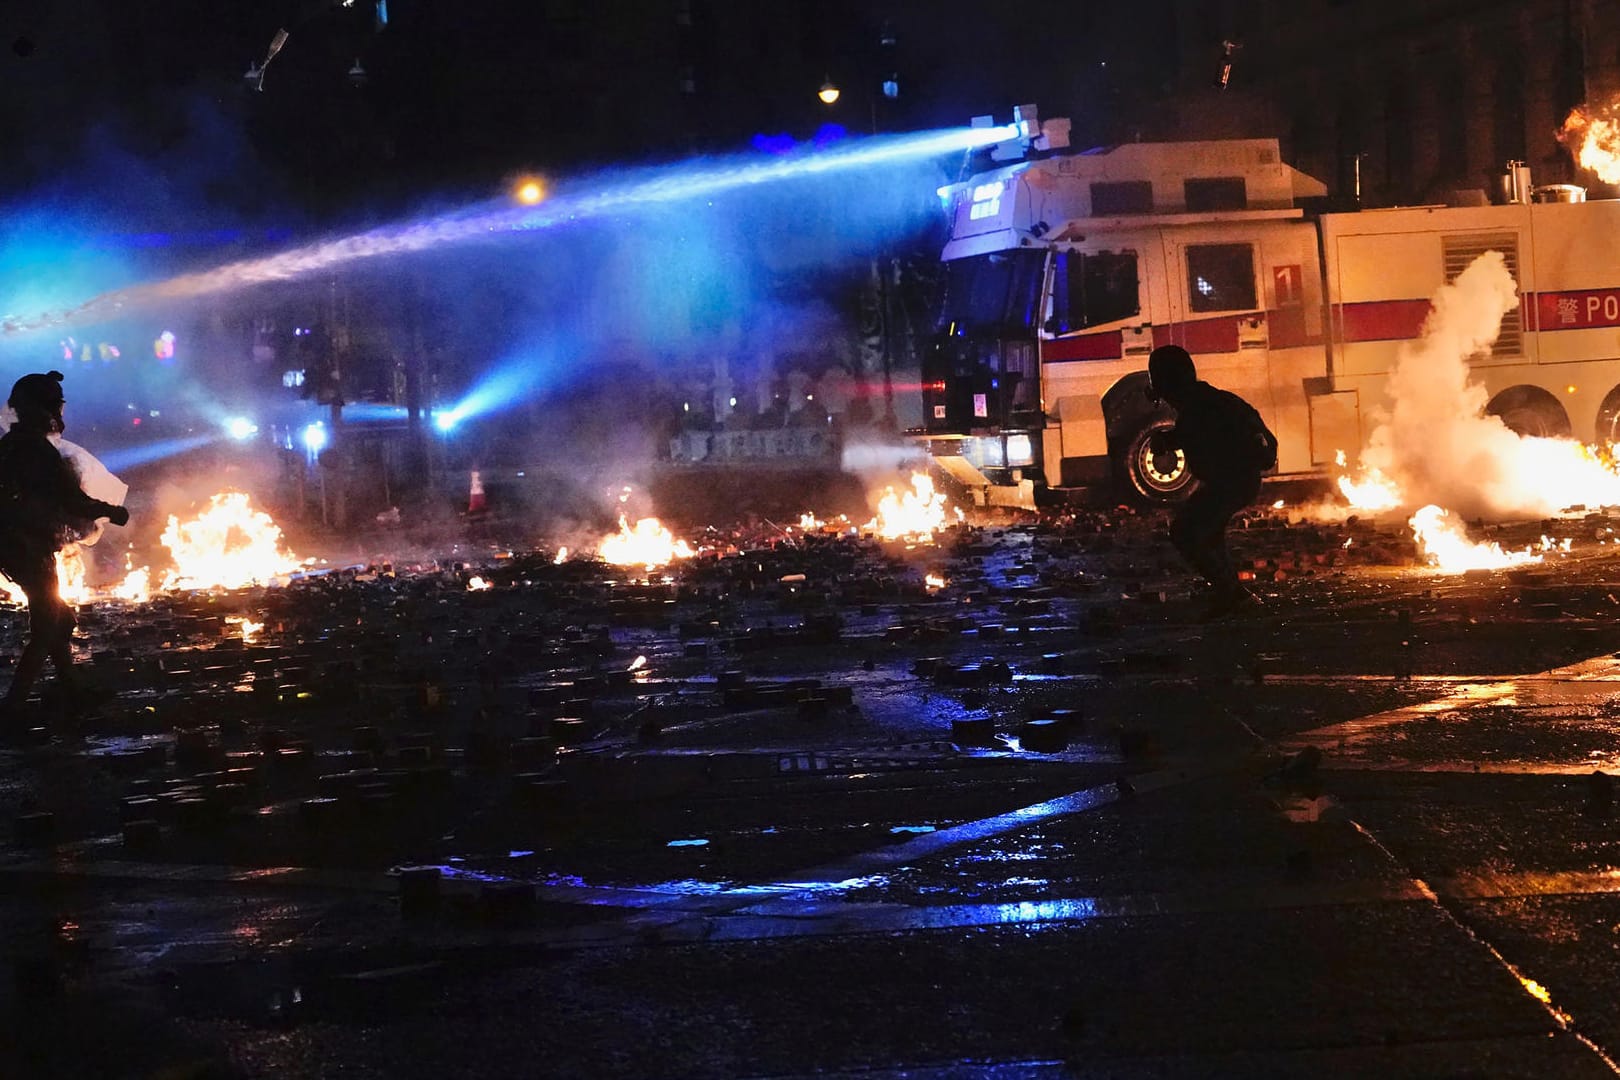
[130,457]
[646,188]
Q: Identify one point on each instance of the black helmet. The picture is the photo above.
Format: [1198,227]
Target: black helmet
[1171,370]
[37,391]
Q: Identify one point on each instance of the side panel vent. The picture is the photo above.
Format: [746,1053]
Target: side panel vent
[1461,250]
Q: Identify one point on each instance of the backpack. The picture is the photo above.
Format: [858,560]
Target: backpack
[1247,430]
[1264,444]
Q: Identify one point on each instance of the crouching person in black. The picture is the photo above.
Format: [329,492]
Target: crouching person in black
[42,509]
[1228,447]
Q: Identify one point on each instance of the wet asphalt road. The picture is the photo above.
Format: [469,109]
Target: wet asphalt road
[420,831]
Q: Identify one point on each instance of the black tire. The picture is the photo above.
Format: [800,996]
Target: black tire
[1608,423]
[1152,467]
[1538,422]
[1533,413]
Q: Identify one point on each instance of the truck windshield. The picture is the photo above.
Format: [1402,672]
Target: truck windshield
[1092,289]
[995,292]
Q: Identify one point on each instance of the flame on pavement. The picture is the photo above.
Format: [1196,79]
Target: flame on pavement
[914,515]
[648,544]
[136,587]
[1445,543]
[228,546]
[1372,491]
[70,579]
[250,629]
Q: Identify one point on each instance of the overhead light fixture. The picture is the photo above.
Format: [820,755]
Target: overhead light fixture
[828,93]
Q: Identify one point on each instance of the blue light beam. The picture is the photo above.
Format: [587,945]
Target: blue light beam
[646,188]
[130,457]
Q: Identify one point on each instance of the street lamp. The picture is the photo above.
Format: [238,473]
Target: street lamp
[529,192]
[890,89]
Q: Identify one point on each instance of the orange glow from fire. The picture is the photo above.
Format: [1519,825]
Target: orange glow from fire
[137,584]
[1372,492]
[1445,543]
[228,546]
[1593,136]
[648,544]
[70,579]
[912,515]
[250,629]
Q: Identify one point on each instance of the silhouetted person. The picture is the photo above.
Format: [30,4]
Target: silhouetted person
[1228,446]
[42,509]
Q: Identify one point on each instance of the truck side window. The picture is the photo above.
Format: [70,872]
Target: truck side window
[1220,277]
[1092,289]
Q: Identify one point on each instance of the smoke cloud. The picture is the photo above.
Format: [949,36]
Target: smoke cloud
[1437,444]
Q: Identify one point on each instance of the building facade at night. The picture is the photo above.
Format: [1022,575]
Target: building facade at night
[1432,96]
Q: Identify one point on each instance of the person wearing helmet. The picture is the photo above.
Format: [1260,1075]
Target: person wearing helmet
[1228,447]
[42,508]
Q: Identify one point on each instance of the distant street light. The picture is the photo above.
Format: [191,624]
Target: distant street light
[529,192]
[828,92]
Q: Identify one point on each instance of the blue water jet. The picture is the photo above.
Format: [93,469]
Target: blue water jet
[585,201]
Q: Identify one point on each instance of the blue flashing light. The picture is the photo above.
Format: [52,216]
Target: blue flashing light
[241,428]
[315,437]
[827,134]
[780,143]
[446,421]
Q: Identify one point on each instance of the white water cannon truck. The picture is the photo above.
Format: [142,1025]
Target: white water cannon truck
[1065,270]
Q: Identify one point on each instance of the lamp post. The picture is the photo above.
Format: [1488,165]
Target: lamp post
[889,89]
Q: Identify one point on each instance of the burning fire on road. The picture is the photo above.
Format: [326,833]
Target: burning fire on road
[1437,448]
[228,546]
[914,515]
[647,544]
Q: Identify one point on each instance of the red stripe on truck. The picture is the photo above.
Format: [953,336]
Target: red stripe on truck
[1381,320]
[1107,345]
[1204,336]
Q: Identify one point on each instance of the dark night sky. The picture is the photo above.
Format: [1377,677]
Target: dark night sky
[460,95]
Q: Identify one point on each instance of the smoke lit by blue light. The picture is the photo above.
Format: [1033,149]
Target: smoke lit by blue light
[241,428]
[366,412]
[129,457]
[585,200]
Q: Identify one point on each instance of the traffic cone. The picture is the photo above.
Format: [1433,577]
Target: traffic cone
[475,494]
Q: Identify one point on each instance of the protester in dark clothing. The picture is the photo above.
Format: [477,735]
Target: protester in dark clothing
[42,509]
[1228,447]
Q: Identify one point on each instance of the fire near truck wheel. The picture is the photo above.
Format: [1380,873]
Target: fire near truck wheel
[1531,411]
[1152,465]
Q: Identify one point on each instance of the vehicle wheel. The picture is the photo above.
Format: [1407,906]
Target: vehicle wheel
[1152,464]
[1537,422]
[1531,412]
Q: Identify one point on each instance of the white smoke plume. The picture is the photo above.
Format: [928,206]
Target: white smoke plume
[1437,444]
